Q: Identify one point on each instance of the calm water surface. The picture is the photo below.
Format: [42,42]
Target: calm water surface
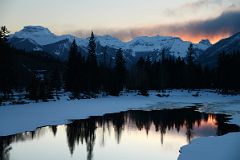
[131,135]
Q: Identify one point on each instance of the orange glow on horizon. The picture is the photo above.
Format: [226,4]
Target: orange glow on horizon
[197,38]
[186,37]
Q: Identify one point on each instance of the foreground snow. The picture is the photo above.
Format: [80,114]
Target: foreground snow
[220,148]
[27,117]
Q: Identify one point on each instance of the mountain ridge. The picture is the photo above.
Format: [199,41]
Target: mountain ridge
[42,39]
[227,45]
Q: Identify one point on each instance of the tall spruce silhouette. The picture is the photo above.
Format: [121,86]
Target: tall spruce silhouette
[92,66]
[6,65]
[190,55]
[141,76]
[73,74]
[119,72]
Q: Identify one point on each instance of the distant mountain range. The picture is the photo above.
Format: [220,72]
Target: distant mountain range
[38,38]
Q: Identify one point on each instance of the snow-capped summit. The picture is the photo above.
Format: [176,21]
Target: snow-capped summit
[146,43]
[35,29]
[175,45]
[40,35]
[110,41]
[205,42]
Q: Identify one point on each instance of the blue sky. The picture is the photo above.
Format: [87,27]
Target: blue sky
[110,16]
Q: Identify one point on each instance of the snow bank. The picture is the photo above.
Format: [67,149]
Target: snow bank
[220,148]
[27,117]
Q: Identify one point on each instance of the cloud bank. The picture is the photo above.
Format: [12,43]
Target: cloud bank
[226,24]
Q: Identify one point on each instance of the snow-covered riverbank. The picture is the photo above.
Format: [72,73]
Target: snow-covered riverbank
[224,147]
[27,117]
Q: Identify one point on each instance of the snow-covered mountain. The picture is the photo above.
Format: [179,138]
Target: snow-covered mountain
[175,46]
[40,35]
[228,46]
[38,38]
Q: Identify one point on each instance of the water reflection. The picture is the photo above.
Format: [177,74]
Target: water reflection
[176,123]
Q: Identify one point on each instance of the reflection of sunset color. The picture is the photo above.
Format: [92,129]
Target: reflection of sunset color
[210,122]
[212,119]
[127,135]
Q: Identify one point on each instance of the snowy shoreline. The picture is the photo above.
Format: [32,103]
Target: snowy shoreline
[20,118]
[224,147]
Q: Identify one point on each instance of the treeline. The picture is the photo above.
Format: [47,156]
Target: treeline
[228,72]
[85,76]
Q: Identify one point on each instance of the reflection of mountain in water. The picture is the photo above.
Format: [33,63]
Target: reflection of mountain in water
[185,121]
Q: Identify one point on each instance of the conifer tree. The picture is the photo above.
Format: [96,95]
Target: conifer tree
[190,67]
[72,73]
[105,56]
[55,82]
[33,88]
[6,67]
[92,66]
[4,33]
[119,72]
[141,76]
[190,55]
[92,59]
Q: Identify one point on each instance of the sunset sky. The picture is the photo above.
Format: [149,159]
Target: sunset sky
[189,19]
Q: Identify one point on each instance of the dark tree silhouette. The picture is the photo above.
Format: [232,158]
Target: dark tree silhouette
[119,73]
[33,88]
[6,65]
[141,76]
[190,55]
[91,59]
[55,81]
[74,71]
[92,66]
[4,33]
[227,77]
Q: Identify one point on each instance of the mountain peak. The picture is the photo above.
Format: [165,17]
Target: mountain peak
[39,34]
[34,30]
[205,42]
[107,40]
